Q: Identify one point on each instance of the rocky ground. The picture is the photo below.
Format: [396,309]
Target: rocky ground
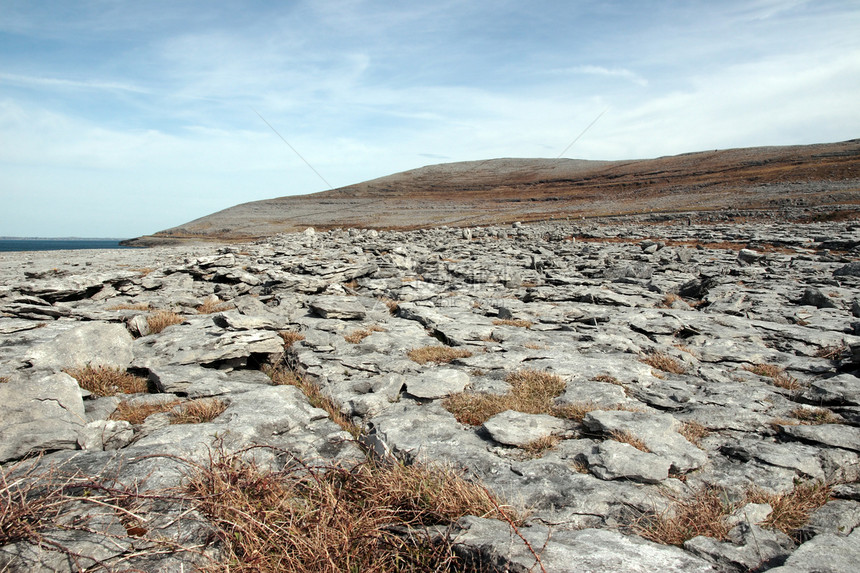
[691,359]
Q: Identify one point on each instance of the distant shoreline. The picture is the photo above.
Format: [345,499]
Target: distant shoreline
[17,244]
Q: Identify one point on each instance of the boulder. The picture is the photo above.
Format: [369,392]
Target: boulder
[91,344]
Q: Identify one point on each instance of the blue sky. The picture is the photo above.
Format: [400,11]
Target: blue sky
[119,118]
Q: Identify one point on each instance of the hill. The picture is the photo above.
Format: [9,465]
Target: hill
[808,181]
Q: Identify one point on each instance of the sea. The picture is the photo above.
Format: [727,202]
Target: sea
[7,245]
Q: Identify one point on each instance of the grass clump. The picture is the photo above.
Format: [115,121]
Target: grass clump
[777,375]
[212,305]
[521,323]
[131,306]
[437,354]
[290,336]
[368,517]
[107,381]
[532,392]
[693,431]
[161,319]
[705,512]
[833,352]
[357,336]
[4,379]
[138,413]
[664,362]
[538,447]
[815,416]
[198,411]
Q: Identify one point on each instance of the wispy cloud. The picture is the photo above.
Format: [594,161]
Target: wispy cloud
[609,72]
[63,83]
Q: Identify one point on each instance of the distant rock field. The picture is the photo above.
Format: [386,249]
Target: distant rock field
[673,396]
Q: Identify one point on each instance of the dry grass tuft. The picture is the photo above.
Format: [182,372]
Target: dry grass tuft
[107,381]
[392,305]
[532,392]
[357,336]
[834,352]
[437,354]
[626,437]
[161,319]
[669,299]
[289,337]
[777,375]
[369,518]
[815,416]
[4,379]
[664,362]
[131,306]
[136,414]
[704,513]
[198,411]
[693,431]
[513,322]
[791,510]
[701,514]
[211,306]
[538,447]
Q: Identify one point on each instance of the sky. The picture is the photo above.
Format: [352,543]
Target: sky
[122,118]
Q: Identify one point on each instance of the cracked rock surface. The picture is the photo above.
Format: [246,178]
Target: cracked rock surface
[689,357]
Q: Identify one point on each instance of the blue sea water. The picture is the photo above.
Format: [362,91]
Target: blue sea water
[7,245]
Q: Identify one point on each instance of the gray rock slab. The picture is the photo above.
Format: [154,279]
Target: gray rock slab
[437,383]
[840,517]
[94,344]
[105,435]
[839,390]
[342,307]
[611,460]
[595,550]
[826,553]
[836,435]
[752,548]
[657,431]
[198,382]
[234,320]
[40,413]
[519,429]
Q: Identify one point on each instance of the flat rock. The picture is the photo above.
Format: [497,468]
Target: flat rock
[836,435]
[437,383]
[345,308]
[40,413]
[90,344]
[519,429]
[611,460]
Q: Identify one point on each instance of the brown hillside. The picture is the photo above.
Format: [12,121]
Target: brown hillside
[795,181]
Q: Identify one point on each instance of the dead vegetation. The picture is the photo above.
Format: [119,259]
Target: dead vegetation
[283,375]
[198,411]
[107,381]
[131,306]
[664,362]
[137,413]
[777,375]
[815,416]
[289,337]
[356,336]
[161,319]
[367,517]
[627,437]
[833,352]
[437,354]
[521,323]
[211,306]
[705,513]
[693,431]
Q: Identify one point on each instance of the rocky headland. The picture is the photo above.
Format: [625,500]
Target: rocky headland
[612,380]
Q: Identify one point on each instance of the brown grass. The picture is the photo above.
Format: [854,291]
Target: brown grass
[521,323]
[393,305]
[704,513]
[131,306]
[198,411]
[693,431]
[368,517]
[213,306]
[437,354]
[161,319]
[136,414]
[815,416]
[107,381]
[532,392]
[289,337]
[4,379]
[777,375]
[538,447]
[833,352]
[626,437]
[701,514]
[664,362]
[668,300]
[791,510]
[357,336]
